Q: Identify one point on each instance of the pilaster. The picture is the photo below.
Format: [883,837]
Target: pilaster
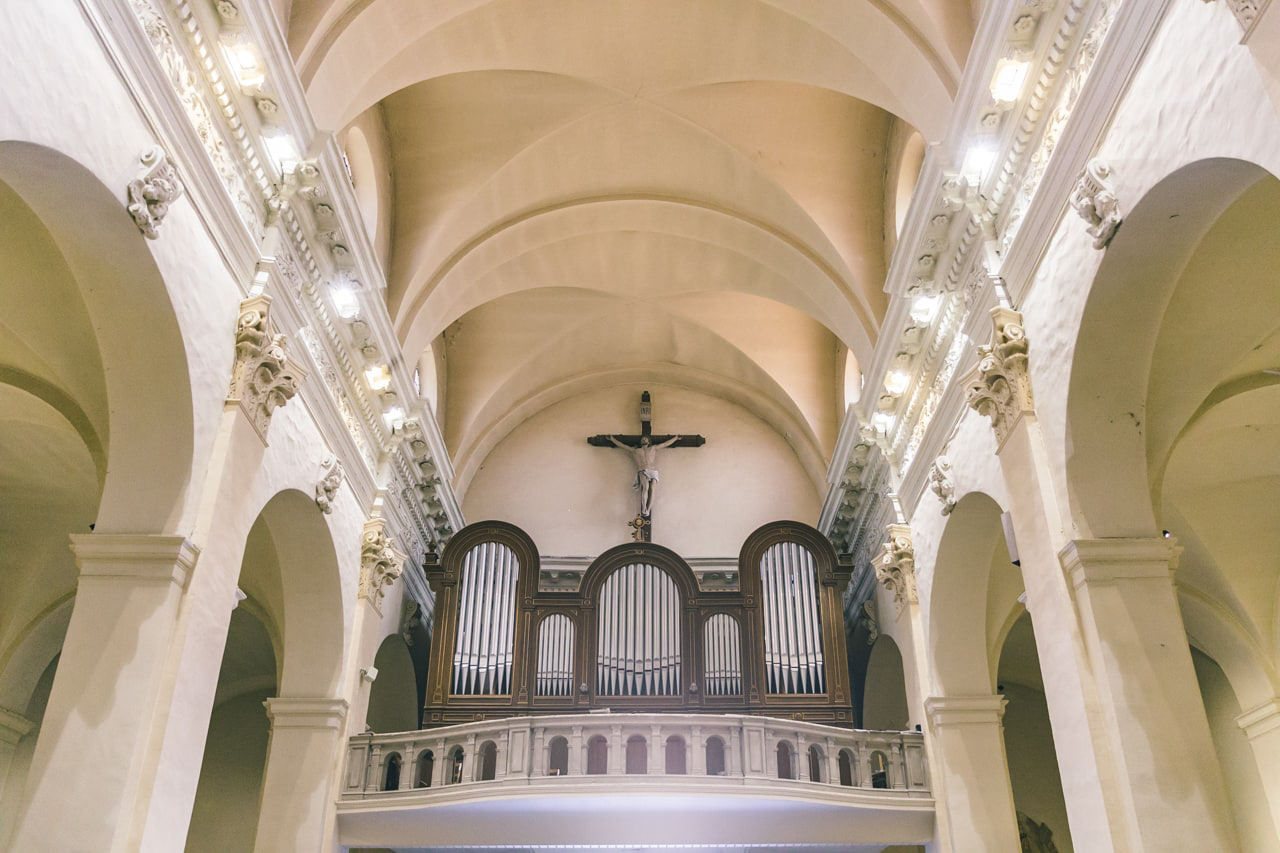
[13,728]
[1261,725]
[306,742]
[970,766]
[1138,651]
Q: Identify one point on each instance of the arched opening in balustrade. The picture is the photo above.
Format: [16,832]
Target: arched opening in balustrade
[817,762]
[715,756]
[675,765]
[597,756]
[391,773]
[845,762]
[637,755]
[786,760]
[488,761]
[558,757]
[455,765]
[879,770]
[426,766]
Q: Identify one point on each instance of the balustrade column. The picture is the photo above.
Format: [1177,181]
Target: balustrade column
[833,763]
[970,758]
[374,774]
[408,768]
[618,755]
[306,736]
[541,756]
[697,753]
[733,760]
[657,751]
[439,765]
[470,759]
[500,756]
[576,763]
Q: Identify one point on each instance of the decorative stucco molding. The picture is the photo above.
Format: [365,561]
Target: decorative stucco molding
[380,563]
[942,483]
[264,377]
[1095,200]
[1000,386]
[331,475]
[896,566]
[870,621]
[155,188]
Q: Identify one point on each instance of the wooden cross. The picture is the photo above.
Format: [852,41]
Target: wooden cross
[646,474]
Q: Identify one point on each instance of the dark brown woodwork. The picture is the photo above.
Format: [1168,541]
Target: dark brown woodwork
[532,606]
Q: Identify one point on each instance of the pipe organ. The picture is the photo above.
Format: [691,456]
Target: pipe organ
[638,634]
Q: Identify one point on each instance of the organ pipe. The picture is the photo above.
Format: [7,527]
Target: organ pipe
[792,628]
[638,633]
[484,647]
[555,656]
[722,651]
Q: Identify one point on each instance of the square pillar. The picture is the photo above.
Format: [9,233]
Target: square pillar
[110,697]
[1261,725]
[13,728]
[970,758]
[1156,725]
[306,740]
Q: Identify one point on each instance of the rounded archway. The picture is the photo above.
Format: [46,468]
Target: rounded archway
[393,696]
[884,694]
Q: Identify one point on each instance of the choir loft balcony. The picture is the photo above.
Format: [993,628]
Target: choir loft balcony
[605,778]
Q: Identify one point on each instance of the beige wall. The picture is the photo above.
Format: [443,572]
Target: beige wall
[574,499]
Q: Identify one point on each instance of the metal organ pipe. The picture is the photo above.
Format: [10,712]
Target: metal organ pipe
[483,650]
[638,633]
[555,656]
[722,650]
[792,627]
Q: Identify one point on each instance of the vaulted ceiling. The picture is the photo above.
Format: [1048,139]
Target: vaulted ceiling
[566,192]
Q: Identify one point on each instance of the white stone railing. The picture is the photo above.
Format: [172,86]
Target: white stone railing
[720,748]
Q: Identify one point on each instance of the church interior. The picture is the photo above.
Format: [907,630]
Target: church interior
[478,425]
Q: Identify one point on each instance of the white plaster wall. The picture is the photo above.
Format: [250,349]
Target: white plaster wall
[575,499]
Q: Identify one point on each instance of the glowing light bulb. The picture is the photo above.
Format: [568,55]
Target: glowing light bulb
[378,377]
[882,421]
[283,150]
[345,302]
[977,163]
[925,308]
[897,381]
[1009,79]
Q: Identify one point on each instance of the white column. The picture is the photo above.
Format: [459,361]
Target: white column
[1138,651]
[306,741]
[1261,725]
[109,703]
[969,756]
[13,728]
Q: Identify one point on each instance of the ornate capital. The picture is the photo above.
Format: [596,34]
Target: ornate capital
[380,564]
[331,475]
[264,377]
[942,484]
[152,191]
[896,566]
[1095,200]
[1000,386]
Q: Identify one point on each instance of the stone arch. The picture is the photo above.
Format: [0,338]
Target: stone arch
[393,696]
[957,626]
[884,696]
[1108,477]
[300,586]
[146,426]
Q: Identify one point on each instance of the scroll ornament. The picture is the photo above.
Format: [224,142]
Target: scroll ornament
[331,475]
[1000,387]
[1095,200]
[152,191]
[895,565]
[264,377]
[380,563]
[942,483]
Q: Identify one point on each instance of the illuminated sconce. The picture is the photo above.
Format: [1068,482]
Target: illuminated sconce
[1009,80]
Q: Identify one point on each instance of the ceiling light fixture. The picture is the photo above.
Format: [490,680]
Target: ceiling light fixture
[897,381]
[925,308]
[882,421]
[1008,81]
[977,163]
[378,377]
[283,150]
[246,64]
[345,301]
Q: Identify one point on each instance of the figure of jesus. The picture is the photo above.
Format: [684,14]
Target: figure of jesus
[646,457]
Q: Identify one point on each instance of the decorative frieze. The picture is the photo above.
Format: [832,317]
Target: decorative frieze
[1095,200]
[942,483]
[380,563]
[155,188]
[1000,386]
[896,566]
[264,378]
[331,475]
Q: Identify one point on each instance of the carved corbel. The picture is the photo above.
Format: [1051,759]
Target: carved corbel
[869,621]
[155,188]
[1095,200]
[1000,386]
[895,564]
[264,378]
[942,484]
[331,475]
[380,563]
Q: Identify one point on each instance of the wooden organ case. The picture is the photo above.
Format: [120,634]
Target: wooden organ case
[638,634]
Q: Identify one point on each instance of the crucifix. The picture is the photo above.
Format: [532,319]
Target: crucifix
[644,449]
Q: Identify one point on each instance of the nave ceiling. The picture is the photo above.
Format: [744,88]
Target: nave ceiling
[564,193]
